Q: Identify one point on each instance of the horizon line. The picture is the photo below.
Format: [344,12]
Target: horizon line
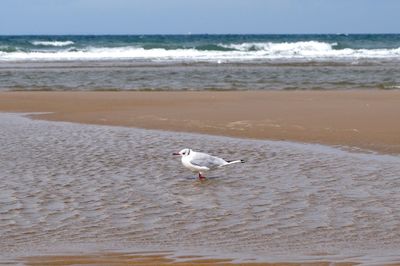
[186,34]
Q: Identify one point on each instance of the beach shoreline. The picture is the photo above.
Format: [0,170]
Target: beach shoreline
[360,119]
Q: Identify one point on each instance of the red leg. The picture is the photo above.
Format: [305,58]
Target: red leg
[201,177]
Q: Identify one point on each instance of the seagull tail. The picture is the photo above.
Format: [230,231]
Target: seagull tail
[236,161]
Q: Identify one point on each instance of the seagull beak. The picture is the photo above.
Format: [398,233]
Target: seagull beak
[176,153]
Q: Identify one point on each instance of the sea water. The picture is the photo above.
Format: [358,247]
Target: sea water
[200,62]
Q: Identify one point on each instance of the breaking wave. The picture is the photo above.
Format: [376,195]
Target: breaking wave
[52,43]
[235,52]
[282,47]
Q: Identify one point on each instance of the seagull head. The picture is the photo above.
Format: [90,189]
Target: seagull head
[184,152]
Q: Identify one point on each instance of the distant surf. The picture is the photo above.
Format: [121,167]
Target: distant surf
[200,62]
[53,43]
[207,48]
[242,52]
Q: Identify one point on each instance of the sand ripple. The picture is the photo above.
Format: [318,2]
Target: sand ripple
[69,183]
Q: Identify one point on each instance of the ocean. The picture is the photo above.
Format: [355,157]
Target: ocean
[200,62]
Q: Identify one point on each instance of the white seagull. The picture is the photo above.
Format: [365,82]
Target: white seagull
[201,162]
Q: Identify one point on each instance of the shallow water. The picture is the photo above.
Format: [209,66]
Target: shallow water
[167,76]
[65,186]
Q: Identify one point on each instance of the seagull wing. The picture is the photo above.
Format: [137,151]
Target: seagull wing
[205,160]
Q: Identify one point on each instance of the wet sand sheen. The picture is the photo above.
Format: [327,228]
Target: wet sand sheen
[122,259]
[65,185]
[365,119]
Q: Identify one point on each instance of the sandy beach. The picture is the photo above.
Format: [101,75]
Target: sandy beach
[123,259]
[363,119]
[360,119]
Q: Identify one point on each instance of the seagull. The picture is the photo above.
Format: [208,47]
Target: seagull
[201,162]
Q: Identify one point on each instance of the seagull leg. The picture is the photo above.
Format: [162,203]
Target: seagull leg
[201,177]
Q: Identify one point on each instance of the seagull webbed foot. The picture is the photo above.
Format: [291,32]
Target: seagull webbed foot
[201,177]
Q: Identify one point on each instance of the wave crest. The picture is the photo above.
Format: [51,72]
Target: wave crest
[281,47]
[52,43]
[311,50]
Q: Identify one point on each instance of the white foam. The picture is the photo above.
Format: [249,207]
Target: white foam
[285,47]
[311,50]
[53,43]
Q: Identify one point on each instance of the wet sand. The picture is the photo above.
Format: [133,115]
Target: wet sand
[71,188]
[364,119]
[353,118]
[122,259]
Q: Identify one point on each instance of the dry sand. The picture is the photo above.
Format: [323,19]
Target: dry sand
[364,119]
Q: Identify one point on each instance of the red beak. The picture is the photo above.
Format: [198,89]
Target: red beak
[176,153]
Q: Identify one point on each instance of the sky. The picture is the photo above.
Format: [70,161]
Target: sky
[198,16]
